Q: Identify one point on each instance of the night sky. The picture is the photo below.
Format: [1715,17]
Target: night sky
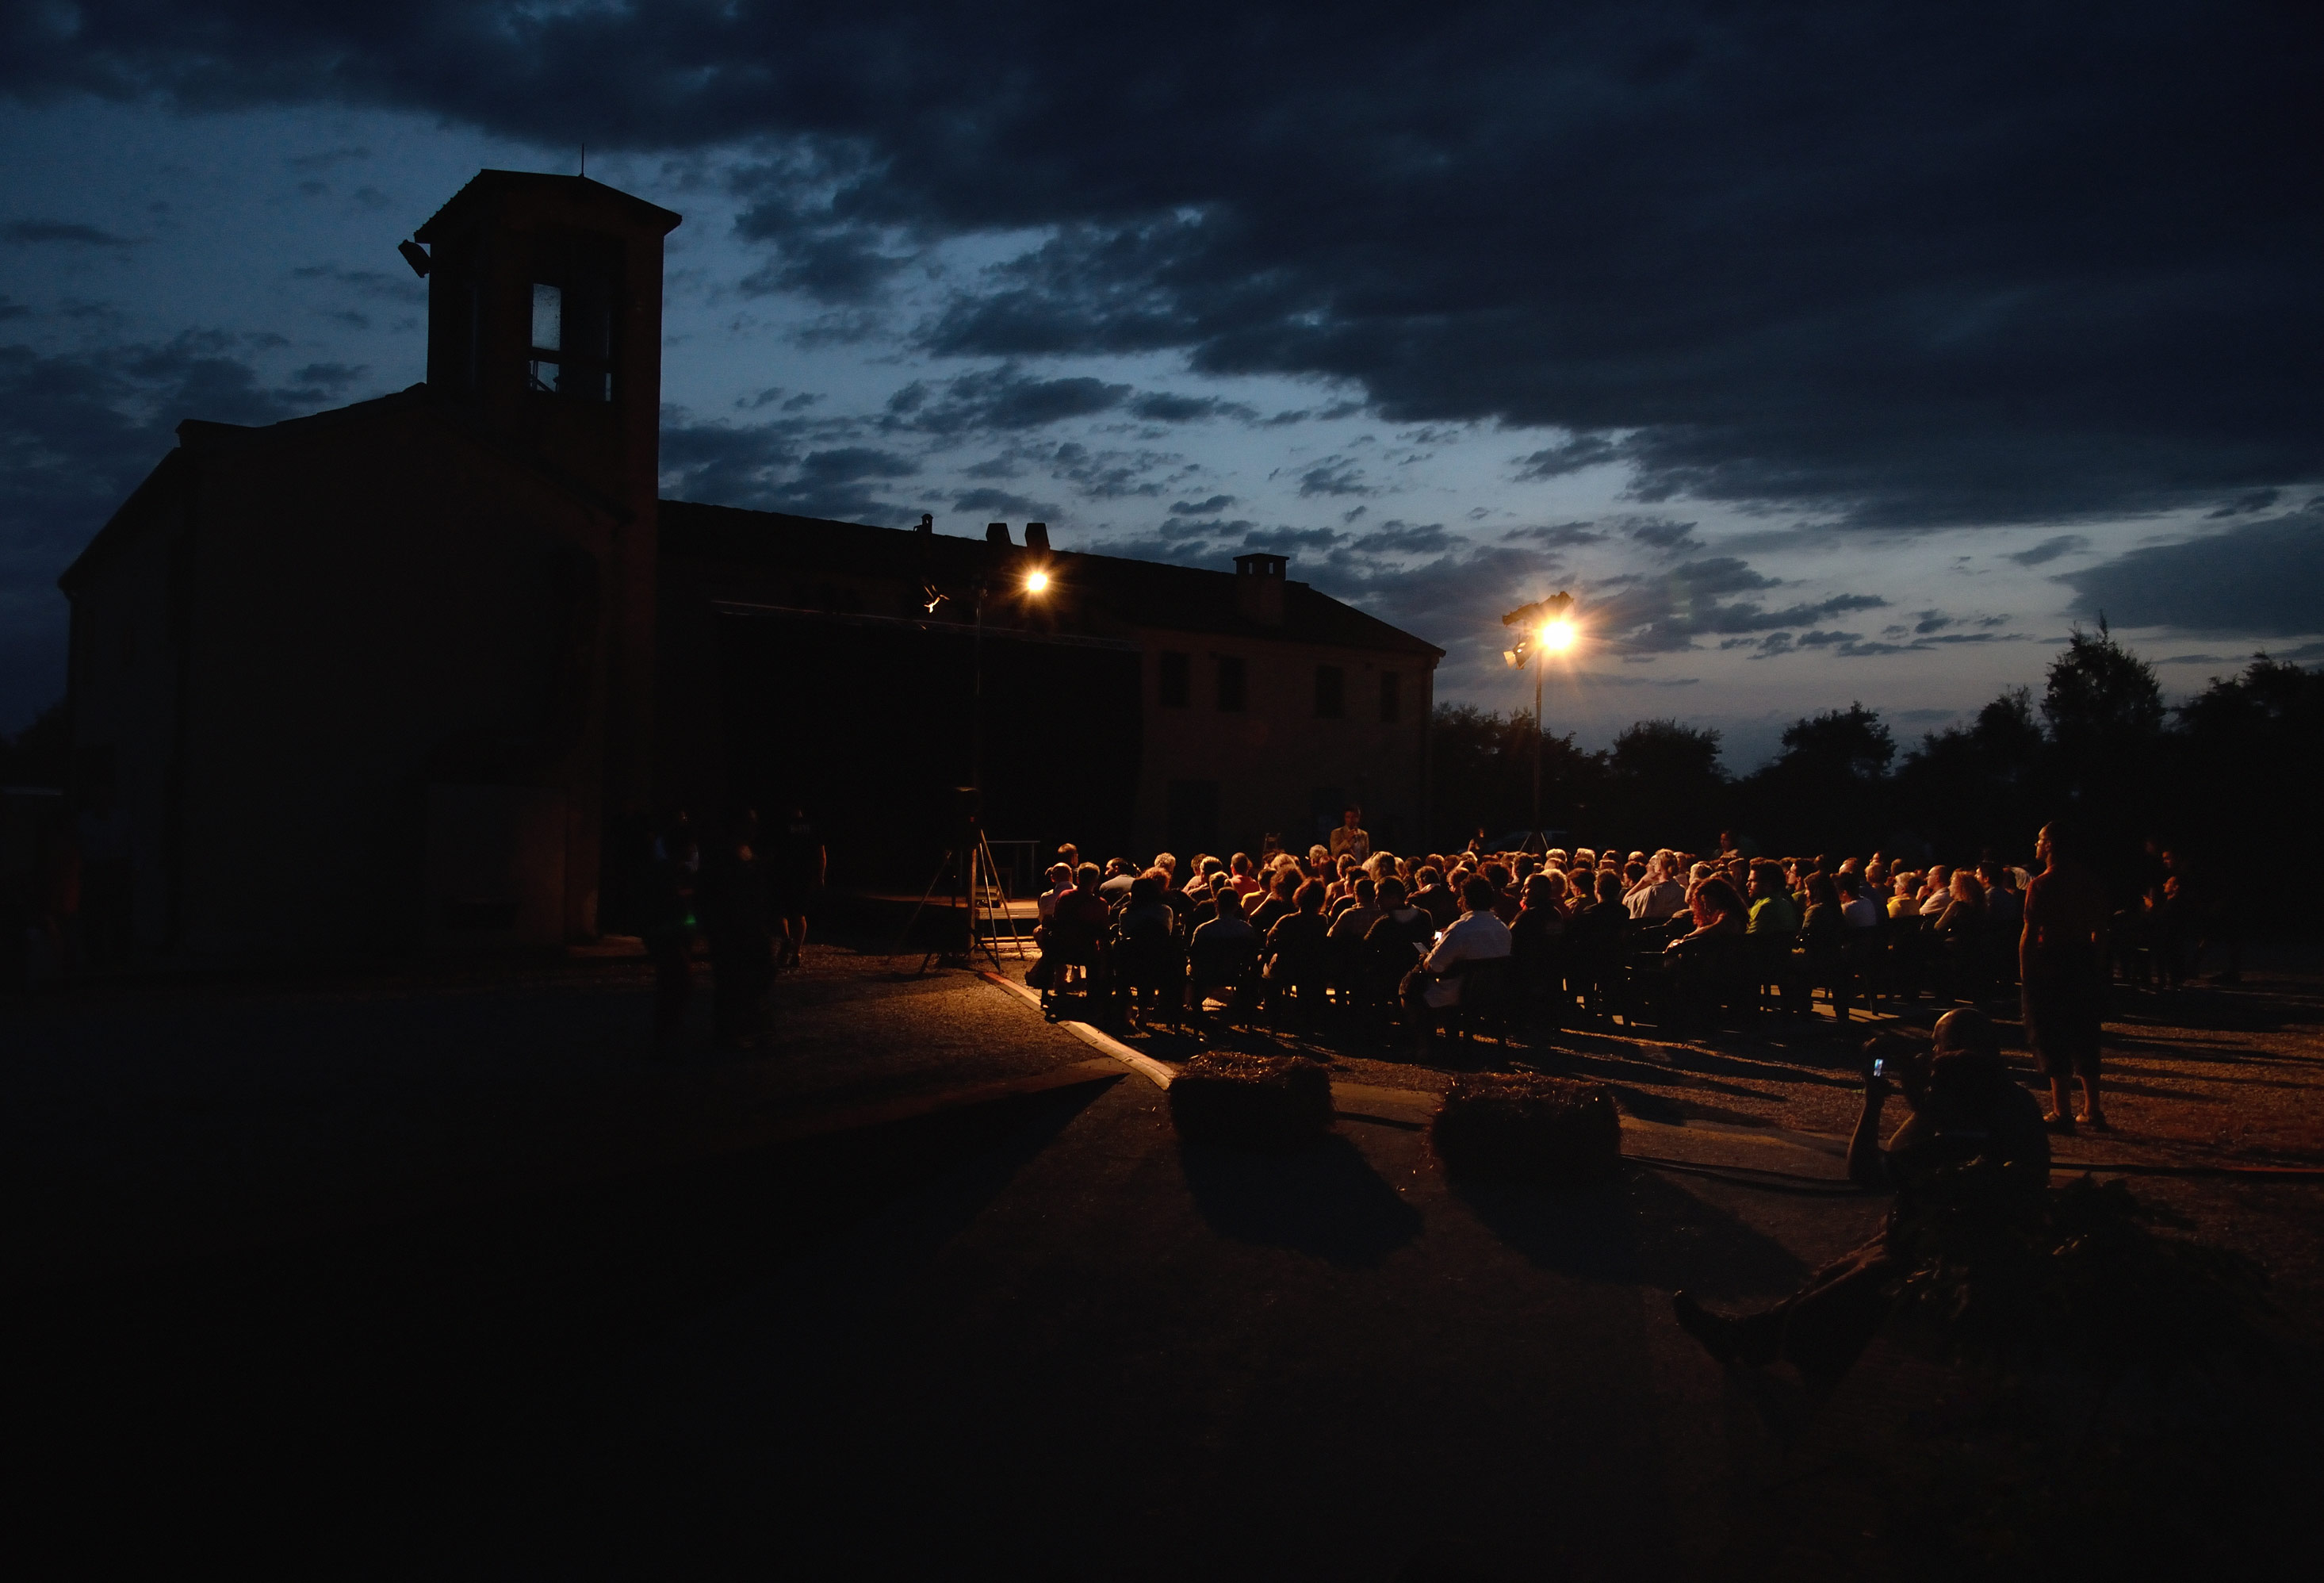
[1827,352]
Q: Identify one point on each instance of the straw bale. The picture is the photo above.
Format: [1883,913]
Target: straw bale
[1252,1101]
[1524,1126]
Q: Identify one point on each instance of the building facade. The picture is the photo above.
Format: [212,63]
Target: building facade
[415,672]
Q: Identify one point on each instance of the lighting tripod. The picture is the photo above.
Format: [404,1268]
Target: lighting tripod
[976,891]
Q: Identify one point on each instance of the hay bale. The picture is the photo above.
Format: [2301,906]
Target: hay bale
[1522,1127]
[1252,1101]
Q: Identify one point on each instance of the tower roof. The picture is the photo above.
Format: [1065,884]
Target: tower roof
[492,190]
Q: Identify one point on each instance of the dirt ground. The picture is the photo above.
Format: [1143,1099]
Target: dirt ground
[450,1262]
[2201,1082]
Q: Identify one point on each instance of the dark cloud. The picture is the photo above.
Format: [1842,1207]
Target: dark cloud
[31,233]
[1001,398]
[1216,503]
[1334,475]
[1663,536]
[1160,407]
[1665,612]
[843,267]
[2248,502]
[1400,537]
[2050,550]
[1583,450]
[401,287]
[2035,262]
[2260,578]
[1293,540]
[808,466]
[325,158]
[1556,536]
[983,502]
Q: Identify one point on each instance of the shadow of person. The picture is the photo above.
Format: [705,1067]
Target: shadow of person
[1325,1200]
[1639,1228]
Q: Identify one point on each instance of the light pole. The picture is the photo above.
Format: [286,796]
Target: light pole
[1036,583]
[1544,629]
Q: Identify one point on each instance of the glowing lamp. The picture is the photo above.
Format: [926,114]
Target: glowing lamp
[1557,636]
[1037,581]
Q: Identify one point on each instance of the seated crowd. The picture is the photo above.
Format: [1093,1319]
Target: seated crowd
[1524,941]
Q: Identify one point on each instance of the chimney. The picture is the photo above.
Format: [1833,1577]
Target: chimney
[928,524]
[1037,537]
[1258,587]
[996,533]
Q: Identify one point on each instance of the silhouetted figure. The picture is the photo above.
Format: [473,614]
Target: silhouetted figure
[2062,965]
[1968,1113]
[795,880]
[667,898]
[742,941]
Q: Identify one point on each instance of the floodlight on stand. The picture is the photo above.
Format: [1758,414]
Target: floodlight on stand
[1512,658]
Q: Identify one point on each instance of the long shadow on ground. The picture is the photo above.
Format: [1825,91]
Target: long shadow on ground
[1325,1200]
[1637,1229]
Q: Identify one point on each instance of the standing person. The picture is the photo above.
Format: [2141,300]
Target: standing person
[742,943]
[1348,840]
[2062,964]
[672,867]
[795,880]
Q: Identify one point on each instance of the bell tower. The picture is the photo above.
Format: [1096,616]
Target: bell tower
[544,338]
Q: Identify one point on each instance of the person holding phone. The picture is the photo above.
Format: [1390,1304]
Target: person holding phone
[1967,1107]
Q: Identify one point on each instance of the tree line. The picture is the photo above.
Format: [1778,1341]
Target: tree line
[2228,774]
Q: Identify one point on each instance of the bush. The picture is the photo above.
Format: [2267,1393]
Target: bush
[1501,1126]
[1252,1101]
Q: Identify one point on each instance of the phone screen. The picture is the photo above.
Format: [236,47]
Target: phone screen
[1880,1068]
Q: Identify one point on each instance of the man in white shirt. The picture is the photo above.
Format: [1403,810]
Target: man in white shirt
[1476,936]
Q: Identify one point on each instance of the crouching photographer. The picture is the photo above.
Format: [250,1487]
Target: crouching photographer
[1971,1123]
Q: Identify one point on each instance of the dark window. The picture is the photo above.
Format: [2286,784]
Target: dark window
[1177,680]
[1234,685]
[1193,819]
[1391,696]
[1330,693]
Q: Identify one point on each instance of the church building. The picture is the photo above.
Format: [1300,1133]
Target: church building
[419,671]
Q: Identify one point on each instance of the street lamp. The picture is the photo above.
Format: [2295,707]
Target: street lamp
[1548,630]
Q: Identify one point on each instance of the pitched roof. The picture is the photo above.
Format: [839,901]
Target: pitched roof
[501,185]
[199,438]
[1137,593]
